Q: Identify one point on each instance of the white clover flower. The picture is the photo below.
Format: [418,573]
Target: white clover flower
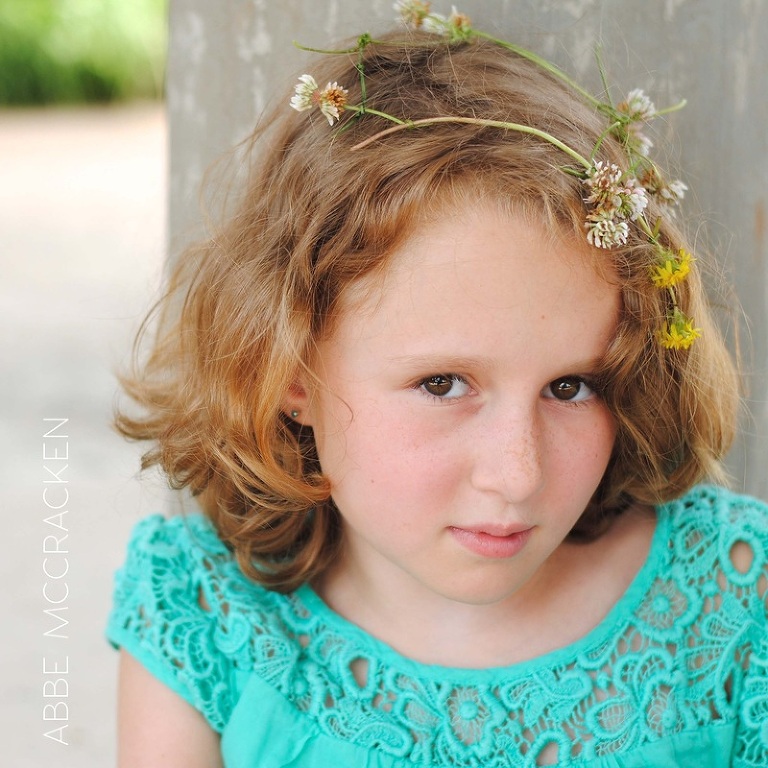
[413,13]
[667,193]
[671,194]
[603,176]
[604,182]
[330,101]
[613,196]
[634,199]
[637,106]
[605,231]
[304,91]
[455,27]
[459,24]
[639,141]
[333,98]
[436,24]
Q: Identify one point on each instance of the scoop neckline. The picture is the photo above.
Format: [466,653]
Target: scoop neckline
[623,608]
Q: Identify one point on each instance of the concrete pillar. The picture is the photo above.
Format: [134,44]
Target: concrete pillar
[230,58]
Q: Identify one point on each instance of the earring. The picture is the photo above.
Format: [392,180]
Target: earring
[294,414]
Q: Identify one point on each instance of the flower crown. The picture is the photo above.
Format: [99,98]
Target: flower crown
[615,197]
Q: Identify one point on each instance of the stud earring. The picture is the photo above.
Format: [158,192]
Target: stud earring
[294,414]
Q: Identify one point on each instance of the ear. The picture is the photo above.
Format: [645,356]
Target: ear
[296,404]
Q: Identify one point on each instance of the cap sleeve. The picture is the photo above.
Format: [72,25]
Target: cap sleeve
[165,611]
[751,530]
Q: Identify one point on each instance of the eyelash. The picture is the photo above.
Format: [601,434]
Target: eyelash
[587,382]
[454,378]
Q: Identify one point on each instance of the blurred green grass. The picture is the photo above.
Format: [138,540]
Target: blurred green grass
[70,51]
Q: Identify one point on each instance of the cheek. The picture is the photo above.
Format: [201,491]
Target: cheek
[601,444]
[377,460]
[357,448]
[584,454]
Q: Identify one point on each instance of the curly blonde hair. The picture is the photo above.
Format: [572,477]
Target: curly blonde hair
[246,308]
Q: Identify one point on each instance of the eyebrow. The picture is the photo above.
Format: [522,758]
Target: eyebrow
[442,361]
[463,362]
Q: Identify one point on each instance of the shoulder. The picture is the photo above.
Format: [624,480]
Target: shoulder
[186,612]
[178,569]
[717,516]
[172,539]
[720,504]
[719,539]
[185,546]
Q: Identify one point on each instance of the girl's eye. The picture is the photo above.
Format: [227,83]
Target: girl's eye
[570,389]
[445,386]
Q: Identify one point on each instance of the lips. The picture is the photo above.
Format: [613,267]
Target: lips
[494,541]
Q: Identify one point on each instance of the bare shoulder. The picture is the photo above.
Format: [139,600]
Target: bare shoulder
[156,727]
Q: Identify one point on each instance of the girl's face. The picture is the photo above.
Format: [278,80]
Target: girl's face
[456,422]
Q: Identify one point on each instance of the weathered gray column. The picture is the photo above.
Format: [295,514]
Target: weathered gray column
[229,58]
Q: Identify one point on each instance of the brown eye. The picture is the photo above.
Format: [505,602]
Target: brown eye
[445,386]
[439,386]
[569,389]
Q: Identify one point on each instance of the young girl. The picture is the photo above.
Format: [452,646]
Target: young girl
[444,386]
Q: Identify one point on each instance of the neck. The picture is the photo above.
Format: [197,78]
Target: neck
[428,630]
[567,598]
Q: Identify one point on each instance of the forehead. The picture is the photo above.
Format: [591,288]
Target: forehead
[475,276]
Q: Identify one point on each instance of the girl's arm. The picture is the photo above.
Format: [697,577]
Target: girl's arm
[157,728]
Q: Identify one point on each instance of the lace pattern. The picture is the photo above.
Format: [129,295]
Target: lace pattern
[688,650]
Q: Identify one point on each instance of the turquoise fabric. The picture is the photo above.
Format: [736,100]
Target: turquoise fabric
[675,675]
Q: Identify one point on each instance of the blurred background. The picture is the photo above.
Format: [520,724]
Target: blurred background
[82,242]
[81,51]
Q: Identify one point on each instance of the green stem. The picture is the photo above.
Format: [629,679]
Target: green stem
[481,122]
[543,63]
[667,110]
[323,50]
[602,136]
[360,109]
[601,70]
[643,224]
[673,296]
[364,40]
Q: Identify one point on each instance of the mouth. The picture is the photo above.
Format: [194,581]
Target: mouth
[493,541]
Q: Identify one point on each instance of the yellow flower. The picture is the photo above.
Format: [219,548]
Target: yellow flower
[678,333]
[673,270]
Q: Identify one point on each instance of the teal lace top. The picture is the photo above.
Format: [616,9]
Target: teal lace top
[675,675]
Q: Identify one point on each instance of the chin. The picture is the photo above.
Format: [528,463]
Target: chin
[481,592]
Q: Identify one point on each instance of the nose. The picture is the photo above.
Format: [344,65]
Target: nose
[508,454]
